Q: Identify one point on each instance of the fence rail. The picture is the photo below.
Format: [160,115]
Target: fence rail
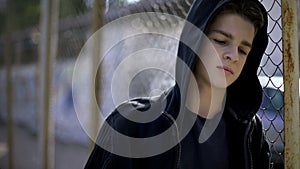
[281,60]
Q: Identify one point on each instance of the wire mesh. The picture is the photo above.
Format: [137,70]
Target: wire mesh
[75,27]
[271,71]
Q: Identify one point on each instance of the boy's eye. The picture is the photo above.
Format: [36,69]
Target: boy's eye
[221,42]
[243,52]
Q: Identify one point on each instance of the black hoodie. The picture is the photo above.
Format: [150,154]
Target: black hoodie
[247,86]
[246,136]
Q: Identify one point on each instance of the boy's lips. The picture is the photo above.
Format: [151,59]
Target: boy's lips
[226,69]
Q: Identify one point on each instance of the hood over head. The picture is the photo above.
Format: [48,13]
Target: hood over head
[244,96]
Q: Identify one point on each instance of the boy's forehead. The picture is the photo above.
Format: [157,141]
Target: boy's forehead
[233,26]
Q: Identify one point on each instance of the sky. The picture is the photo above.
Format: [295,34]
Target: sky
[131,1]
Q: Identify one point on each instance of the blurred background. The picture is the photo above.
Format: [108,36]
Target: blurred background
[40,41]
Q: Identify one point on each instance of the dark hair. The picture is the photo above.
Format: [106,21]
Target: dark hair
[247,9]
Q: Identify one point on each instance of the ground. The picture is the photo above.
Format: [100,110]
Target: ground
[26,151]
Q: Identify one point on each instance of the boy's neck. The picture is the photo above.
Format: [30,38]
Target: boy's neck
[207,101]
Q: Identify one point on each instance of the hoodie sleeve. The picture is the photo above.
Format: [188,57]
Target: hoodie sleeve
[262,150]
[104,154]
[265,155]
[100,158]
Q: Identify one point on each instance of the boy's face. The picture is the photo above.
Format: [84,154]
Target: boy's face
[231,36]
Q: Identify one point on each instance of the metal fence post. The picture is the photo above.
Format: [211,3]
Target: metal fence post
[97,23]
[291,83]
[48,51]
[8,63]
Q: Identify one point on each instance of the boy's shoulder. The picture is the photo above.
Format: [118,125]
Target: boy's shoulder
[141,117]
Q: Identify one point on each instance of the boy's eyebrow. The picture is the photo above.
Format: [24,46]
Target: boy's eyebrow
[228,35]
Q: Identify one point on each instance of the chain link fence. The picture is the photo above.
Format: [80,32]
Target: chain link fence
[271,76]
[75,27]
